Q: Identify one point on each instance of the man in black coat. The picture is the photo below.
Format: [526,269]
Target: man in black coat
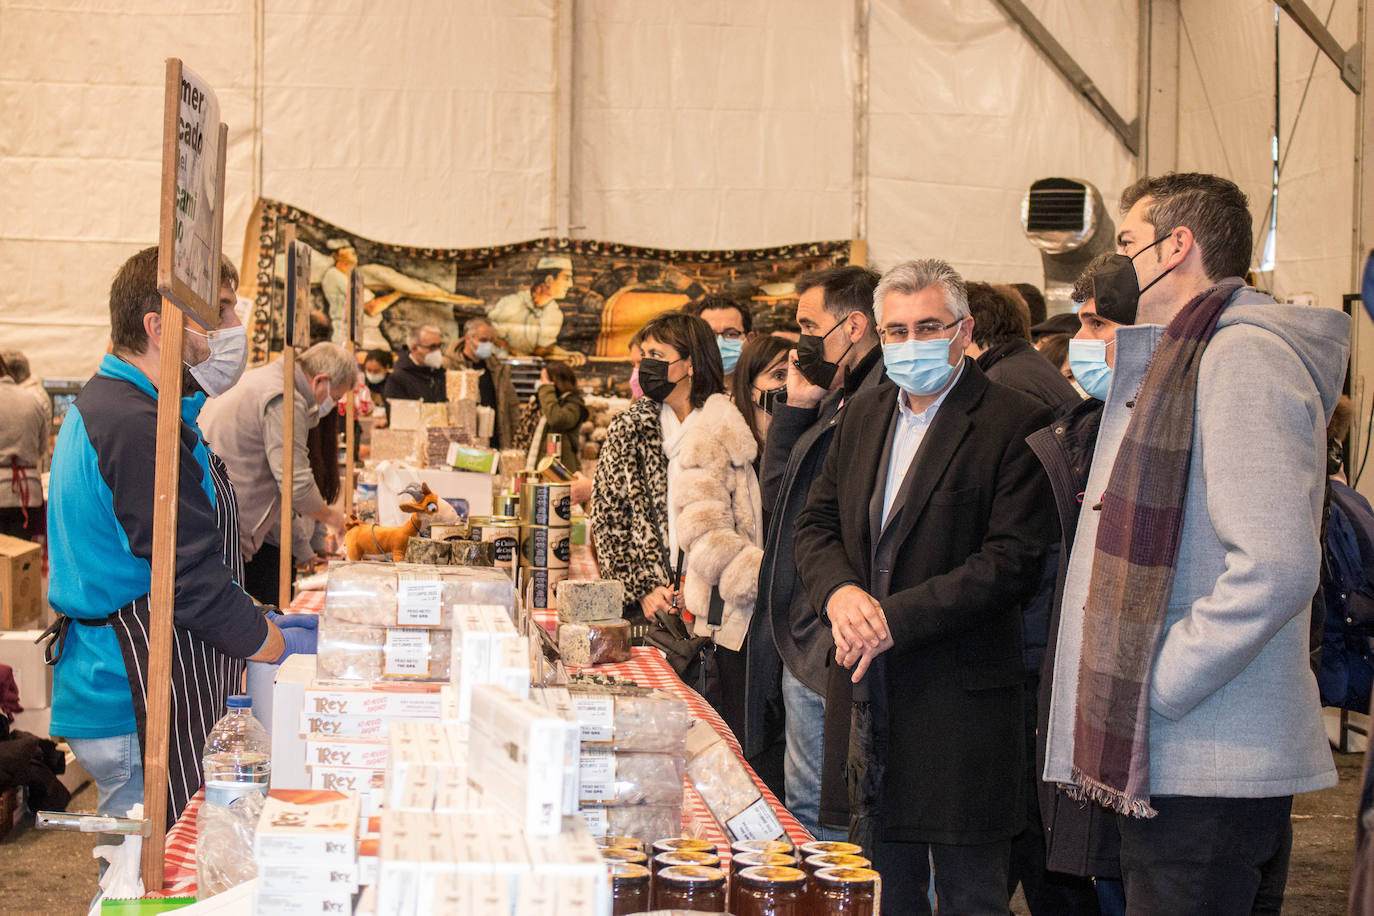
[419,373]
[922,537]
[1002,347]
[835,314]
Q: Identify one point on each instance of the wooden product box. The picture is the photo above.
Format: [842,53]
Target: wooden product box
[21,583]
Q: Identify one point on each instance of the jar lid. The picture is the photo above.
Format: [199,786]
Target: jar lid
[687,857]
[830,847]
[692,874]
[837,861]
[772,846]
[750,859]
[683,842]
[611,841]
[773,876]
[623,854]
[628,871]
[847,876]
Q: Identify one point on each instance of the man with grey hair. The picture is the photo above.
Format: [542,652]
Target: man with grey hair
[476,350]
[244,427]
[419,372]
[922,537]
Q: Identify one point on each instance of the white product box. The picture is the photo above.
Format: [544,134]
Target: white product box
[518,757]
[32,675]
[304,825]
[270,904]
[328,751]
[479,634]
[351,726]
[363,780]
[288,700]
[373,698]
[287,877]
[558,702]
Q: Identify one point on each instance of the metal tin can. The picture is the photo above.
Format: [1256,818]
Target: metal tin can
[553,470]
[538,585]
[446,532]
[547,504]
[541,546]
[508,504]
[504,534]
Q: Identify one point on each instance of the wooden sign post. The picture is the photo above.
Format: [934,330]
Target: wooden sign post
[296,324]
[192,219]
[352,327]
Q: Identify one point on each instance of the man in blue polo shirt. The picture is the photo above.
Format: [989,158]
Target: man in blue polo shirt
[100,523]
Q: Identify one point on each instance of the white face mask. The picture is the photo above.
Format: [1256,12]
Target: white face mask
[483,349]
[376,378]
[326,406]
[224,366]
[434,359]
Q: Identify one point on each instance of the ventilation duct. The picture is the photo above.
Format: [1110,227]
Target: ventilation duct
[1066,219]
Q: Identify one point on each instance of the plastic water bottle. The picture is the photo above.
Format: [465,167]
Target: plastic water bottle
[237,755]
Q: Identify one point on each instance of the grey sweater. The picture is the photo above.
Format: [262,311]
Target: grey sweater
[1234,710]
[243,427]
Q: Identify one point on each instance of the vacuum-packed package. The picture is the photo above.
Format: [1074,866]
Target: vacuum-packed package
[724,783]
[409,594]
[644,822]
[630,718]
[611,777]
[367,653]
[596,642]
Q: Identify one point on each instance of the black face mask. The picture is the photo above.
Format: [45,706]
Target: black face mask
[653,378]
[769,398]
[1116,289]
[811,361]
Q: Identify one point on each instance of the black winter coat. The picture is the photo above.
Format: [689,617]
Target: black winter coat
[409,382]
[963,549]
[1080,839]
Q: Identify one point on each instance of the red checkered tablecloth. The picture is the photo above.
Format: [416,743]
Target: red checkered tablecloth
[647,668]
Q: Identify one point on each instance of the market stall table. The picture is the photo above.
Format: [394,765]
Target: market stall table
[647,668]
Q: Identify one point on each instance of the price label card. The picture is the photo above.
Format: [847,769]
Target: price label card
[406,653]
[596,716]
[598,820]
[596,772]
[757,822]
[417,602]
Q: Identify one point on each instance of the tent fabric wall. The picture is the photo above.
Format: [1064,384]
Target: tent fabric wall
[693,125]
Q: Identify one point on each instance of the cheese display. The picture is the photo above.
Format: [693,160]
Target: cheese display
[590,599]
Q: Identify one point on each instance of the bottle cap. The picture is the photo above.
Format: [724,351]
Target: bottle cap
[240,701]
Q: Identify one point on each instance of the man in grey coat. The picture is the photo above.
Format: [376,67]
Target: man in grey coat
[1231,723]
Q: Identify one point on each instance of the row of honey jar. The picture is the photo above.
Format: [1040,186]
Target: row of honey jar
[765,878]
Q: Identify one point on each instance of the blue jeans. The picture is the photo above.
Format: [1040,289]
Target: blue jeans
[801,767]
[116,768]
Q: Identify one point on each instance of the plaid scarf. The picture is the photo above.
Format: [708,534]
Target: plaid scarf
[1133,566]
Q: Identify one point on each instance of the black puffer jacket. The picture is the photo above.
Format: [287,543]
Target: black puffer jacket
[410,382]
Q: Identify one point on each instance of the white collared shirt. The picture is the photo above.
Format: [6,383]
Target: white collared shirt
[907,436]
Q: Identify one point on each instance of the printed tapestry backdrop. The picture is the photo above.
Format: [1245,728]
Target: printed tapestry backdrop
[612,291]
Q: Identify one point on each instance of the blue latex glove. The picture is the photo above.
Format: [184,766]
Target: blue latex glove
[299,641]
[287,621]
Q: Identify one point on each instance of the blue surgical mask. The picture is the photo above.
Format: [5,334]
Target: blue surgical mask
[1088,363]
[919,366]
[729,352]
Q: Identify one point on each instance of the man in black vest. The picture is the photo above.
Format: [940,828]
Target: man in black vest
[922,537]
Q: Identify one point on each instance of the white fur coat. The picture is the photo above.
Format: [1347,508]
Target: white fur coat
[719,519]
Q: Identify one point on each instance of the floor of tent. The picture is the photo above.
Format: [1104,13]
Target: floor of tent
[51,872]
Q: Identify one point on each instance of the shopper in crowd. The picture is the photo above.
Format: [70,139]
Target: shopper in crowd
[1034,299]
[376,367]
[761,384]
[419,371]
[23,444]
[837,356]
[636,353]
[476,351]
[732,324]
[100,522]
[1002,347]
[312,537]
[1182,698]
[924,534]
[245,428]
[17,364]
[1066,841]
[562,411]
[1063,323]
[1055,349]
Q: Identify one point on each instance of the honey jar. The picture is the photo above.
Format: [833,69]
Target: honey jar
[770,890]
[846,892]
[629,888]
[690,887]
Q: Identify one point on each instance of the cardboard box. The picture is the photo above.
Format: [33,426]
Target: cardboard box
[517,750]
[303,825]
[21,583]
[288,701]
[32,676]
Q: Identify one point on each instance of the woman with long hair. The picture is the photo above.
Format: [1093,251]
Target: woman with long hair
[563,411]
[760,378]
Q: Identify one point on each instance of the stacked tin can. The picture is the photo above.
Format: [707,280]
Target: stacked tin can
[545,540]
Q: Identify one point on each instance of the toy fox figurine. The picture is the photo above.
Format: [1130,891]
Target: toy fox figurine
[361,540]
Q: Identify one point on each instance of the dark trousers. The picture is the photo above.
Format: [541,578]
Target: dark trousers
[968,879]
[262,574]
[1217,856]
[1048,893]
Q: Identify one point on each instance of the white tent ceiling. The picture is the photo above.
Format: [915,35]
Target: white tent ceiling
[680,123]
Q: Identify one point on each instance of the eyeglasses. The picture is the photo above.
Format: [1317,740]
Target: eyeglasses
[925,330]
[731,334]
